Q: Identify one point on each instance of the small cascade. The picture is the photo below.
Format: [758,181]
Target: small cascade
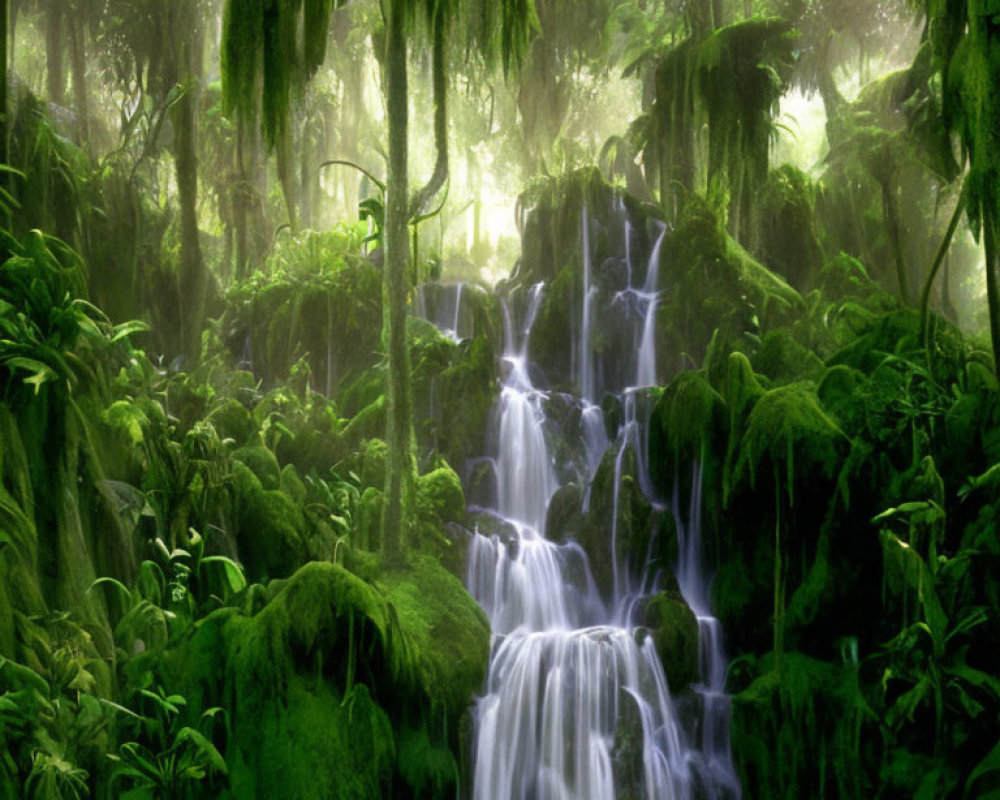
[713,757]
[441,303]
[585,378]
[646,367]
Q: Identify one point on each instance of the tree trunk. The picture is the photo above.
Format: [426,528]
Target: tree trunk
[400,467]
[990,241]
[80,95]
[191,279]
[891,210]
[56,73]
[3,82]
[286,176]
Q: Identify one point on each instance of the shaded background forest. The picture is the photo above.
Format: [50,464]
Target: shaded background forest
[197,234]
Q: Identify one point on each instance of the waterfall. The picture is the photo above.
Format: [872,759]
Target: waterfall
[576,703]
[441,303]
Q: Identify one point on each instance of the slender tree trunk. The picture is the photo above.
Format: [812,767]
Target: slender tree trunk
[990,242]
[191,278]
[939,258]
[400,471]
[286,177]
[3,80]
[80,94]
[56,73]
[241,202]
[891,209]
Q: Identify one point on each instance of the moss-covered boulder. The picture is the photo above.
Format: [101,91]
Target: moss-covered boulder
[270,526]
[464,393]
[619,535]
[789,431]
[339,686]
[674,629]
[783,359]
[689,423]
[440,503]
[262,463]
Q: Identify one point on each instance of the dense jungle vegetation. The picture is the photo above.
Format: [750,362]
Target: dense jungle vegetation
[239,472]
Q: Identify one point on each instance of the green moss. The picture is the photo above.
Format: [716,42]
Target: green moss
[292,485]
[783,359]
[447,634]
[314,743]
[429,770]
[439,495]
[689,423]
[371,461]
[232,420]
[262,463]
[370,518]
[790,431]
[675,631]
[464,393]
[796,729]
[270,527]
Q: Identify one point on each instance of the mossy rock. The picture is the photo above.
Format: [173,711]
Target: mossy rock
[674,629]
[789,431]
[783,359]
[689,423]
[440,496]
[564,519]
[439,503]
[624,539]
[464,394]
[292,485]
[284,755]
[262,463]
[788,240]
[270,527]
[232,420]
[447,635]
[428,769]
[795,729]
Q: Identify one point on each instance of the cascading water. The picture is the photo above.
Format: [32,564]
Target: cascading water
[577,703]
[565,681]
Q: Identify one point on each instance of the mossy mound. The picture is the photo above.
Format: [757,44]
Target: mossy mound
[446,636]
[340,687]
[262,463]
[790,432]
[674,629]
[712,282]
[689,423]
[270,527]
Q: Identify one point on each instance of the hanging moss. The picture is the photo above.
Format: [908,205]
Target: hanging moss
[789,429]
[797,731]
